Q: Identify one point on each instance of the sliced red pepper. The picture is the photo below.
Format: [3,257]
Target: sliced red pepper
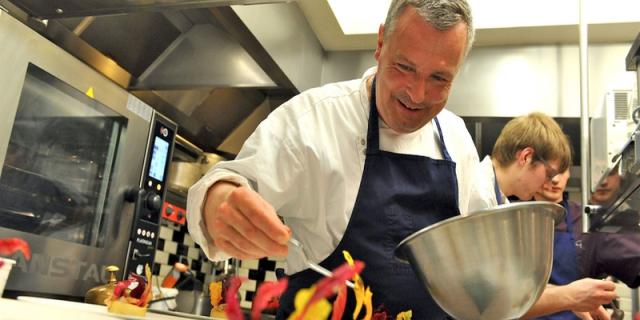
[232,311]
[339,304]
[267,292]
[120,288]
[326,287]
[10,246]
[139,289]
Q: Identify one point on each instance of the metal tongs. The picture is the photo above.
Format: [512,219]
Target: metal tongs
[314,266]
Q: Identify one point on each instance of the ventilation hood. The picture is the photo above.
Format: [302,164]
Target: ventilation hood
[194,61]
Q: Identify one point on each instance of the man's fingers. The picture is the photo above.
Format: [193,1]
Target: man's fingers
[232,250]
[260,214]
[250,232]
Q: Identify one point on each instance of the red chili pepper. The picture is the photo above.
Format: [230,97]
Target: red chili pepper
[339,304]
[9,246]
[267,292]
[232,311]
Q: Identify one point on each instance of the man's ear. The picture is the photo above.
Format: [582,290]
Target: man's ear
[379,44]
[525,155]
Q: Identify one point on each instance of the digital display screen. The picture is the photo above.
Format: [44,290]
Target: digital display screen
[159,159]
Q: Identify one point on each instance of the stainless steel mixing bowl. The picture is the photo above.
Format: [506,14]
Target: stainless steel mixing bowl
[492,264]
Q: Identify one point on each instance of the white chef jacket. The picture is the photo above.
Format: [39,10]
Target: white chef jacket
[307,158]
[483,194]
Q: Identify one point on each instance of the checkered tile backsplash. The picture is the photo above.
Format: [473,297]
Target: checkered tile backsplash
[175,244]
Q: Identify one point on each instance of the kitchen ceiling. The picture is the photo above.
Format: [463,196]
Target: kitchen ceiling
[329,33]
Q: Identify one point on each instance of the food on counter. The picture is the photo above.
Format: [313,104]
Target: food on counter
[232,310]
[323,289]
[310,303]
[339,304]
[268,297]
[405,315]
[9,246]
[131,296]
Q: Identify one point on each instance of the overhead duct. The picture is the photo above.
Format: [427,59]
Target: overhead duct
[58,9]
[204,56]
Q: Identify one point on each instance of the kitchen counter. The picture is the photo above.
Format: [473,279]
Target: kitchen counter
[37,308]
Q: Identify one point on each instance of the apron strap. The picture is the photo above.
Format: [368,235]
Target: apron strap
[496,188]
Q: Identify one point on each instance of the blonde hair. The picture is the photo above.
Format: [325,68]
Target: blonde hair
[535,130]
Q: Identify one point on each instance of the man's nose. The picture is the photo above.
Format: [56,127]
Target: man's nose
[417,91]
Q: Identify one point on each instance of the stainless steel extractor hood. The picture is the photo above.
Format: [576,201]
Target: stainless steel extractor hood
[56,9]
[194,61]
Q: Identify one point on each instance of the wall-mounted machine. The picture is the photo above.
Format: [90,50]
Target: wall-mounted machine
[615,198]
[83,168]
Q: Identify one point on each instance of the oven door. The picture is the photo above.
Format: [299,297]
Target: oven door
[67,160]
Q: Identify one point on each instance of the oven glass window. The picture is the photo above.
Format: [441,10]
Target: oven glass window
[59,162]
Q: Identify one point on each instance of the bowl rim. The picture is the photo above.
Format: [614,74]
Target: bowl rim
[559,214]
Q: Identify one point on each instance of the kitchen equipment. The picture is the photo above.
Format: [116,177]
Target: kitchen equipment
[312,265]
[492,264]
[209,160]
[99,294]
[183,174]
[83,168]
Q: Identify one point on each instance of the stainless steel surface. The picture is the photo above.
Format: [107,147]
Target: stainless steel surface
[492,264]
[312,265]
[60,266]
[209,57]
[80,8]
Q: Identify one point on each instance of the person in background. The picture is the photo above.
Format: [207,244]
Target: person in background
[356,165]
[530,151]
[594,254]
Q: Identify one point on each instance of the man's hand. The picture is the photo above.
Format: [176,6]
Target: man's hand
[584,296]
[242,224]
[598,314]
[587,295]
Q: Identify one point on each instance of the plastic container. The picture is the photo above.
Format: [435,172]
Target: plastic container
[7,264]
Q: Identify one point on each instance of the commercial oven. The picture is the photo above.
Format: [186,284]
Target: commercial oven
[83,168]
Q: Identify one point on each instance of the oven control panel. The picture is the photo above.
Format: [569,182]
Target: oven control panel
[149,198]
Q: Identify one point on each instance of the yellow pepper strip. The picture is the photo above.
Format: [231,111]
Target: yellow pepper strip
[359,292]
[404,315]
[215,290]
[358,289]
[319,310]
[368,295]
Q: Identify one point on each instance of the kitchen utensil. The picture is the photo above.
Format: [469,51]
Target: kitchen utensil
[312,265]
[492,264]
[99,294]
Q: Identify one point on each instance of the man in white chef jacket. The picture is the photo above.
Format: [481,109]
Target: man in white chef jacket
[530,151]
[355,165]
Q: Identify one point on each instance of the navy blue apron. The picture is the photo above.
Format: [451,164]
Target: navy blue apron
[399,194]
[565,263]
